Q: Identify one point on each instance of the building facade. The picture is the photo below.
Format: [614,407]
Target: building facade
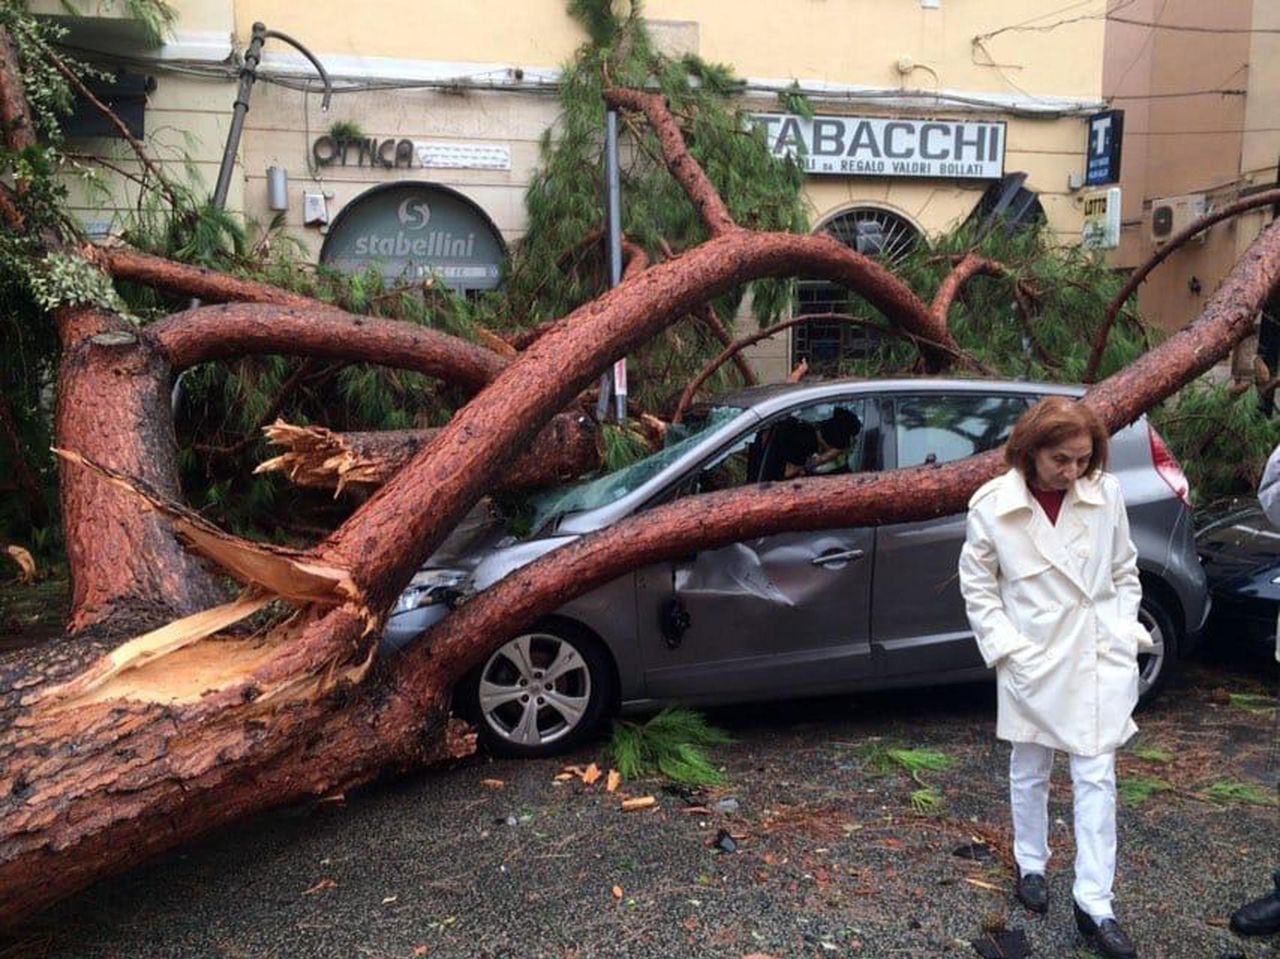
[924,108]
[1200,88]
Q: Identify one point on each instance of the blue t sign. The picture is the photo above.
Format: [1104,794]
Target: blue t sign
[1102,153]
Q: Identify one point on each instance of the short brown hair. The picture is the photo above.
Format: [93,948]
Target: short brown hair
[1054,420]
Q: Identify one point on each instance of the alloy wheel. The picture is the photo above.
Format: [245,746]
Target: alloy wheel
[535,690]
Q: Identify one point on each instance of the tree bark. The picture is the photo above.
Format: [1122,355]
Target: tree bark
[237,329]
[184,279]
[113,406]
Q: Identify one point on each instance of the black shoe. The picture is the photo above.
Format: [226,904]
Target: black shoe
[1106,936]
[1260,917]
[1033,892]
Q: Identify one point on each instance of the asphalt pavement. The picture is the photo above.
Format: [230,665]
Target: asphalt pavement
[831,857]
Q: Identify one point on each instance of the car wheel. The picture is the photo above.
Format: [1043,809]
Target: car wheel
[1155,667]
[541,693]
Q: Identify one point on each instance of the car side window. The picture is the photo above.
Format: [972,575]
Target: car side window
[821,439]
[943,428]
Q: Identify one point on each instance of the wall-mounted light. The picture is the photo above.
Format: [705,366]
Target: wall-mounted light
[277,188]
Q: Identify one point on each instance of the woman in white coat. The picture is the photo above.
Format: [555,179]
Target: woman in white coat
[1050,582]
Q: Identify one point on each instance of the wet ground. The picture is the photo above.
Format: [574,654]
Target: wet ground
[495,858]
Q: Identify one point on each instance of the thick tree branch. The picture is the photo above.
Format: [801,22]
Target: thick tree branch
[184,279]
[232,330]
[686,170]
[1139,276]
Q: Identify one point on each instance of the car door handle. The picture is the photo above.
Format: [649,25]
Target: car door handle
[838,556]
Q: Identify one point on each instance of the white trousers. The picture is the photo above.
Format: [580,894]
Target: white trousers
[1093,782]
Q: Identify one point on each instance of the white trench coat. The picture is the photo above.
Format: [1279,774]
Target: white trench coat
[1055,611]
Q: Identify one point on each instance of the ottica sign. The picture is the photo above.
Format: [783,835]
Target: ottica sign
[875,146]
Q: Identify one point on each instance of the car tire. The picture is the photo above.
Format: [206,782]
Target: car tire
[1155,668]
[515,715]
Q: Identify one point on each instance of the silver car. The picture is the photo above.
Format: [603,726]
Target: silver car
[795,614]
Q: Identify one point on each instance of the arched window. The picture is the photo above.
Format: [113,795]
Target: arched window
[872,231]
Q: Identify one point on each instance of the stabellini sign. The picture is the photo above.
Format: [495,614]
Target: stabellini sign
[417,231]
[876,146]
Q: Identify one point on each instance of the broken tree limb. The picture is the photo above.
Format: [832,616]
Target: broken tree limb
[319,458]
[286,573]
[1139,276]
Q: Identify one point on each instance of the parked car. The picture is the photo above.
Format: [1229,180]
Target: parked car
[791,615]
[1240,550]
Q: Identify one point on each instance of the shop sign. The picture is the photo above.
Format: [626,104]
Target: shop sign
[416,231]
[1102,152]
[875,146]
[406,154]
[1101,219]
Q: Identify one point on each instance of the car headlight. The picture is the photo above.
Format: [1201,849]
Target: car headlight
[429,588]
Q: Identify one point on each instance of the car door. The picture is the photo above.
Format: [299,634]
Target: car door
[918,621]
[767,617]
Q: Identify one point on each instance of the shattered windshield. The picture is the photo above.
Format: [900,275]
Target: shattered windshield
[613,486]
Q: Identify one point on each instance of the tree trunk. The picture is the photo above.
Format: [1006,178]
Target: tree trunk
[113,407]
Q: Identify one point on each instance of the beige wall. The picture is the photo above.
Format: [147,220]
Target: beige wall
[811,39]
[1178,144]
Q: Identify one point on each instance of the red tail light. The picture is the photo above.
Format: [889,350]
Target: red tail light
[1168,467]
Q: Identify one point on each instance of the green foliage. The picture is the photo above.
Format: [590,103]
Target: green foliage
[1135,790]
[346,131]
[886,759]
[927,801]
[671,744]
[623,445]
[1152,755]
[793,101]
[1248,794]
[1221,439]
[1253,703]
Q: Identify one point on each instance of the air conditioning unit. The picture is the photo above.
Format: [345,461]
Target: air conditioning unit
[1170,215]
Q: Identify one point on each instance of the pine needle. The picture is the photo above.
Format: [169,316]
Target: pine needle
[1248,794]
[671,744]
[1135,790]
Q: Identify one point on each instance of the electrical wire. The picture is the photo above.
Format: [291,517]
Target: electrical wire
[1189,29]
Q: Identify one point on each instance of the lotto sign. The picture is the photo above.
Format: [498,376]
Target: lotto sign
[1102,219]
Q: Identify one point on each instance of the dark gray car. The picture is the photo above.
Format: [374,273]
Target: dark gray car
[796,614]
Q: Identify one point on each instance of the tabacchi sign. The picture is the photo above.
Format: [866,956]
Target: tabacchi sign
[875,146]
